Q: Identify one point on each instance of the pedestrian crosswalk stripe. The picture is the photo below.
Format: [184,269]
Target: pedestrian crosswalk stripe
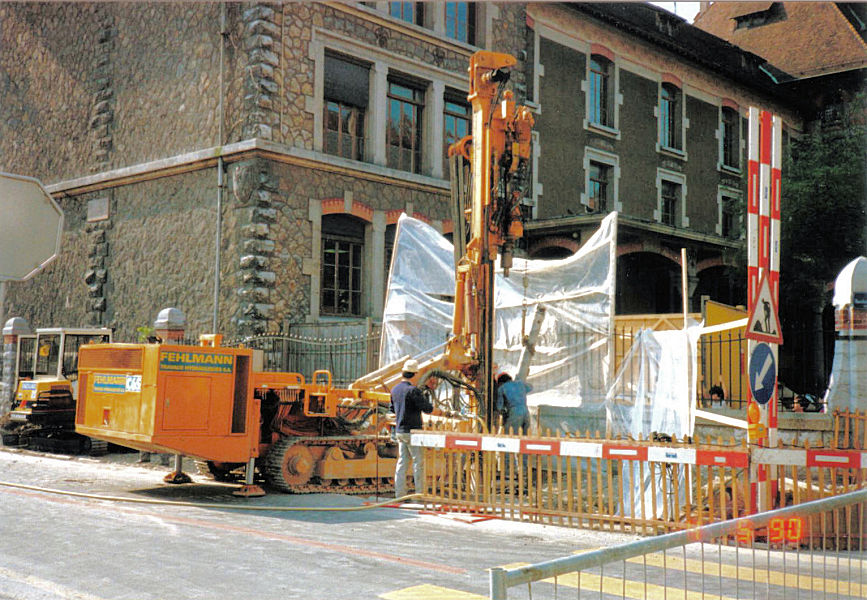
[625,588]
[430,592]
[762,575]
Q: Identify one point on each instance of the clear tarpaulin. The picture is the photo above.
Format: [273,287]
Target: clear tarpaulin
[654,390]
[572,357]
[653,393]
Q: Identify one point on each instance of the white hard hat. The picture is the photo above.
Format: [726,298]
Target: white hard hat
[410,366]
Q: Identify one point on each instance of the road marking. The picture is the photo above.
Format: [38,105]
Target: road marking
[430,592]
[625,588]
[46,586]
[763,576]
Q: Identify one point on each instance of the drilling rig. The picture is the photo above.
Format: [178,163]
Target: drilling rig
[217,405]
[495,160]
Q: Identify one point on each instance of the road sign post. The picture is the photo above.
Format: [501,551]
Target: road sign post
[763,288]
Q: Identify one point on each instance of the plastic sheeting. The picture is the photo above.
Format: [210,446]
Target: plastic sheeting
[654,391]
[572,361]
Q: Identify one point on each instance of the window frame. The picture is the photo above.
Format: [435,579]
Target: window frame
[671,124]
[417,16]
[471,22]
[674,198]
[610,124]
[418,92]
[356,292]
[360,143]
[612,162]
[681,220]
[356,140]
[600,100]
[730,139]
[600,183]
[452,96]
[728,197]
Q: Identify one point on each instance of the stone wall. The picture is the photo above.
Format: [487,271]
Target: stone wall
[106,85]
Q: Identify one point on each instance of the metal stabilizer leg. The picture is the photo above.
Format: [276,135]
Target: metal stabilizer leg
[249,489]
[178,476]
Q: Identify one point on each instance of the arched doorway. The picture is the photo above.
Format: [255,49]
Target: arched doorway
[647,283]
[720,283]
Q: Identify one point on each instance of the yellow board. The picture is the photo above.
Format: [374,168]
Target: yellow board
[726,364]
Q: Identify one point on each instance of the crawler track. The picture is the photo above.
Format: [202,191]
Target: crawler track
[290,466]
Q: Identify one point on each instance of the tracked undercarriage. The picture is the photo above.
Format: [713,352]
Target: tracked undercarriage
[307,465]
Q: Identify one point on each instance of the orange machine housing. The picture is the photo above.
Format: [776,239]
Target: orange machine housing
[192,400]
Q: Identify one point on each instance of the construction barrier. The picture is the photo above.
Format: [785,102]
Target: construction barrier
[645,486]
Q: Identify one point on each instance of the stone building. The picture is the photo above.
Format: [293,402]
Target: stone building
[642,113]
[247,163]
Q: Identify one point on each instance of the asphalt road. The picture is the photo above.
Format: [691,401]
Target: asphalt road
[65,547]
[54,546]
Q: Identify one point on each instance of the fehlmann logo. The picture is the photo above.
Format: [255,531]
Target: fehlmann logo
[203,362]
[106,383]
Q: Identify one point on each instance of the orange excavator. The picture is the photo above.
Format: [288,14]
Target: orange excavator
[216,404]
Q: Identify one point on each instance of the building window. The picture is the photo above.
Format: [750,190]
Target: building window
[411,12]
[403,136]
[388,249]
[669,205]
[729,222]
[731,138]
[601,91]
[598,187]
[342,261]
[457,120]
[670,117]
[345,105]
[461,21]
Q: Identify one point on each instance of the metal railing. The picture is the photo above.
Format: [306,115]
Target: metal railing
[347,351]
[778,534]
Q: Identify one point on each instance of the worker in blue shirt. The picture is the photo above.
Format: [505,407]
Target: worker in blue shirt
[512,403]
[408,403]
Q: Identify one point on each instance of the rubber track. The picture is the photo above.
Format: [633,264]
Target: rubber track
[274,472]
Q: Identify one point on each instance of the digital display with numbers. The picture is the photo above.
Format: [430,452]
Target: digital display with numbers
[786,529]
[780,529]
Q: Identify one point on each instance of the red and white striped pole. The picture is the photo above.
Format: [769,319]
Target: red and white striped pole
[763,260]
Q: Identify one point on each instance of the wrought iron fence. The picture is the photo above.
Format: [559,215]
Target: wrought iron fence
[348,351]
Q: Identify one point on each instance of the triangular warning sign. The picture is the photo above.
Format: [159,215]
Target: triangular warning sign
[763,324]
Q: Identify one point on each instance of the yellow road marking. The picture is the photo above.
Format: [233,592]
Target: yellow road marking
[430,592]
[762,576]
[637,590]
[44,585]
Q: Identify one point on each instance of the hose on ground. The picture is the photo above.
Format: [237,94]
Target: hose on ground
[34,488]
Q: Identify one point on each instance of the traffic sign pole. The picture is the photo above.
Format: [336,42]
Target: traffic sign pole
[763,267]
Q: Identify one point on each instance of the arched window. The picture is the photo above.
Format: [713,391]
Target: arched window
[600,91]
[670,114]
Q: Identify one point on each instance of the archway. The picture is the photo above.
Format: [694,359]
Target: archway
[647,283]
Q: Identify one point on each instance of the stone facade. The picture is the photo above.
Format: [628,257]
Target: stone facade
[136,107]
[143,89]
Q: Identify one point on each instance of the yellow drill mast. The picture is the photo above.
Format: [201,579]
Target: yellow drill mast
[499,158]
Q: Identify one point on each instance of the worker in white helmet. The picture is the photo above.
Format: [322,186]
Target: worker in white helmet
[408,403]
